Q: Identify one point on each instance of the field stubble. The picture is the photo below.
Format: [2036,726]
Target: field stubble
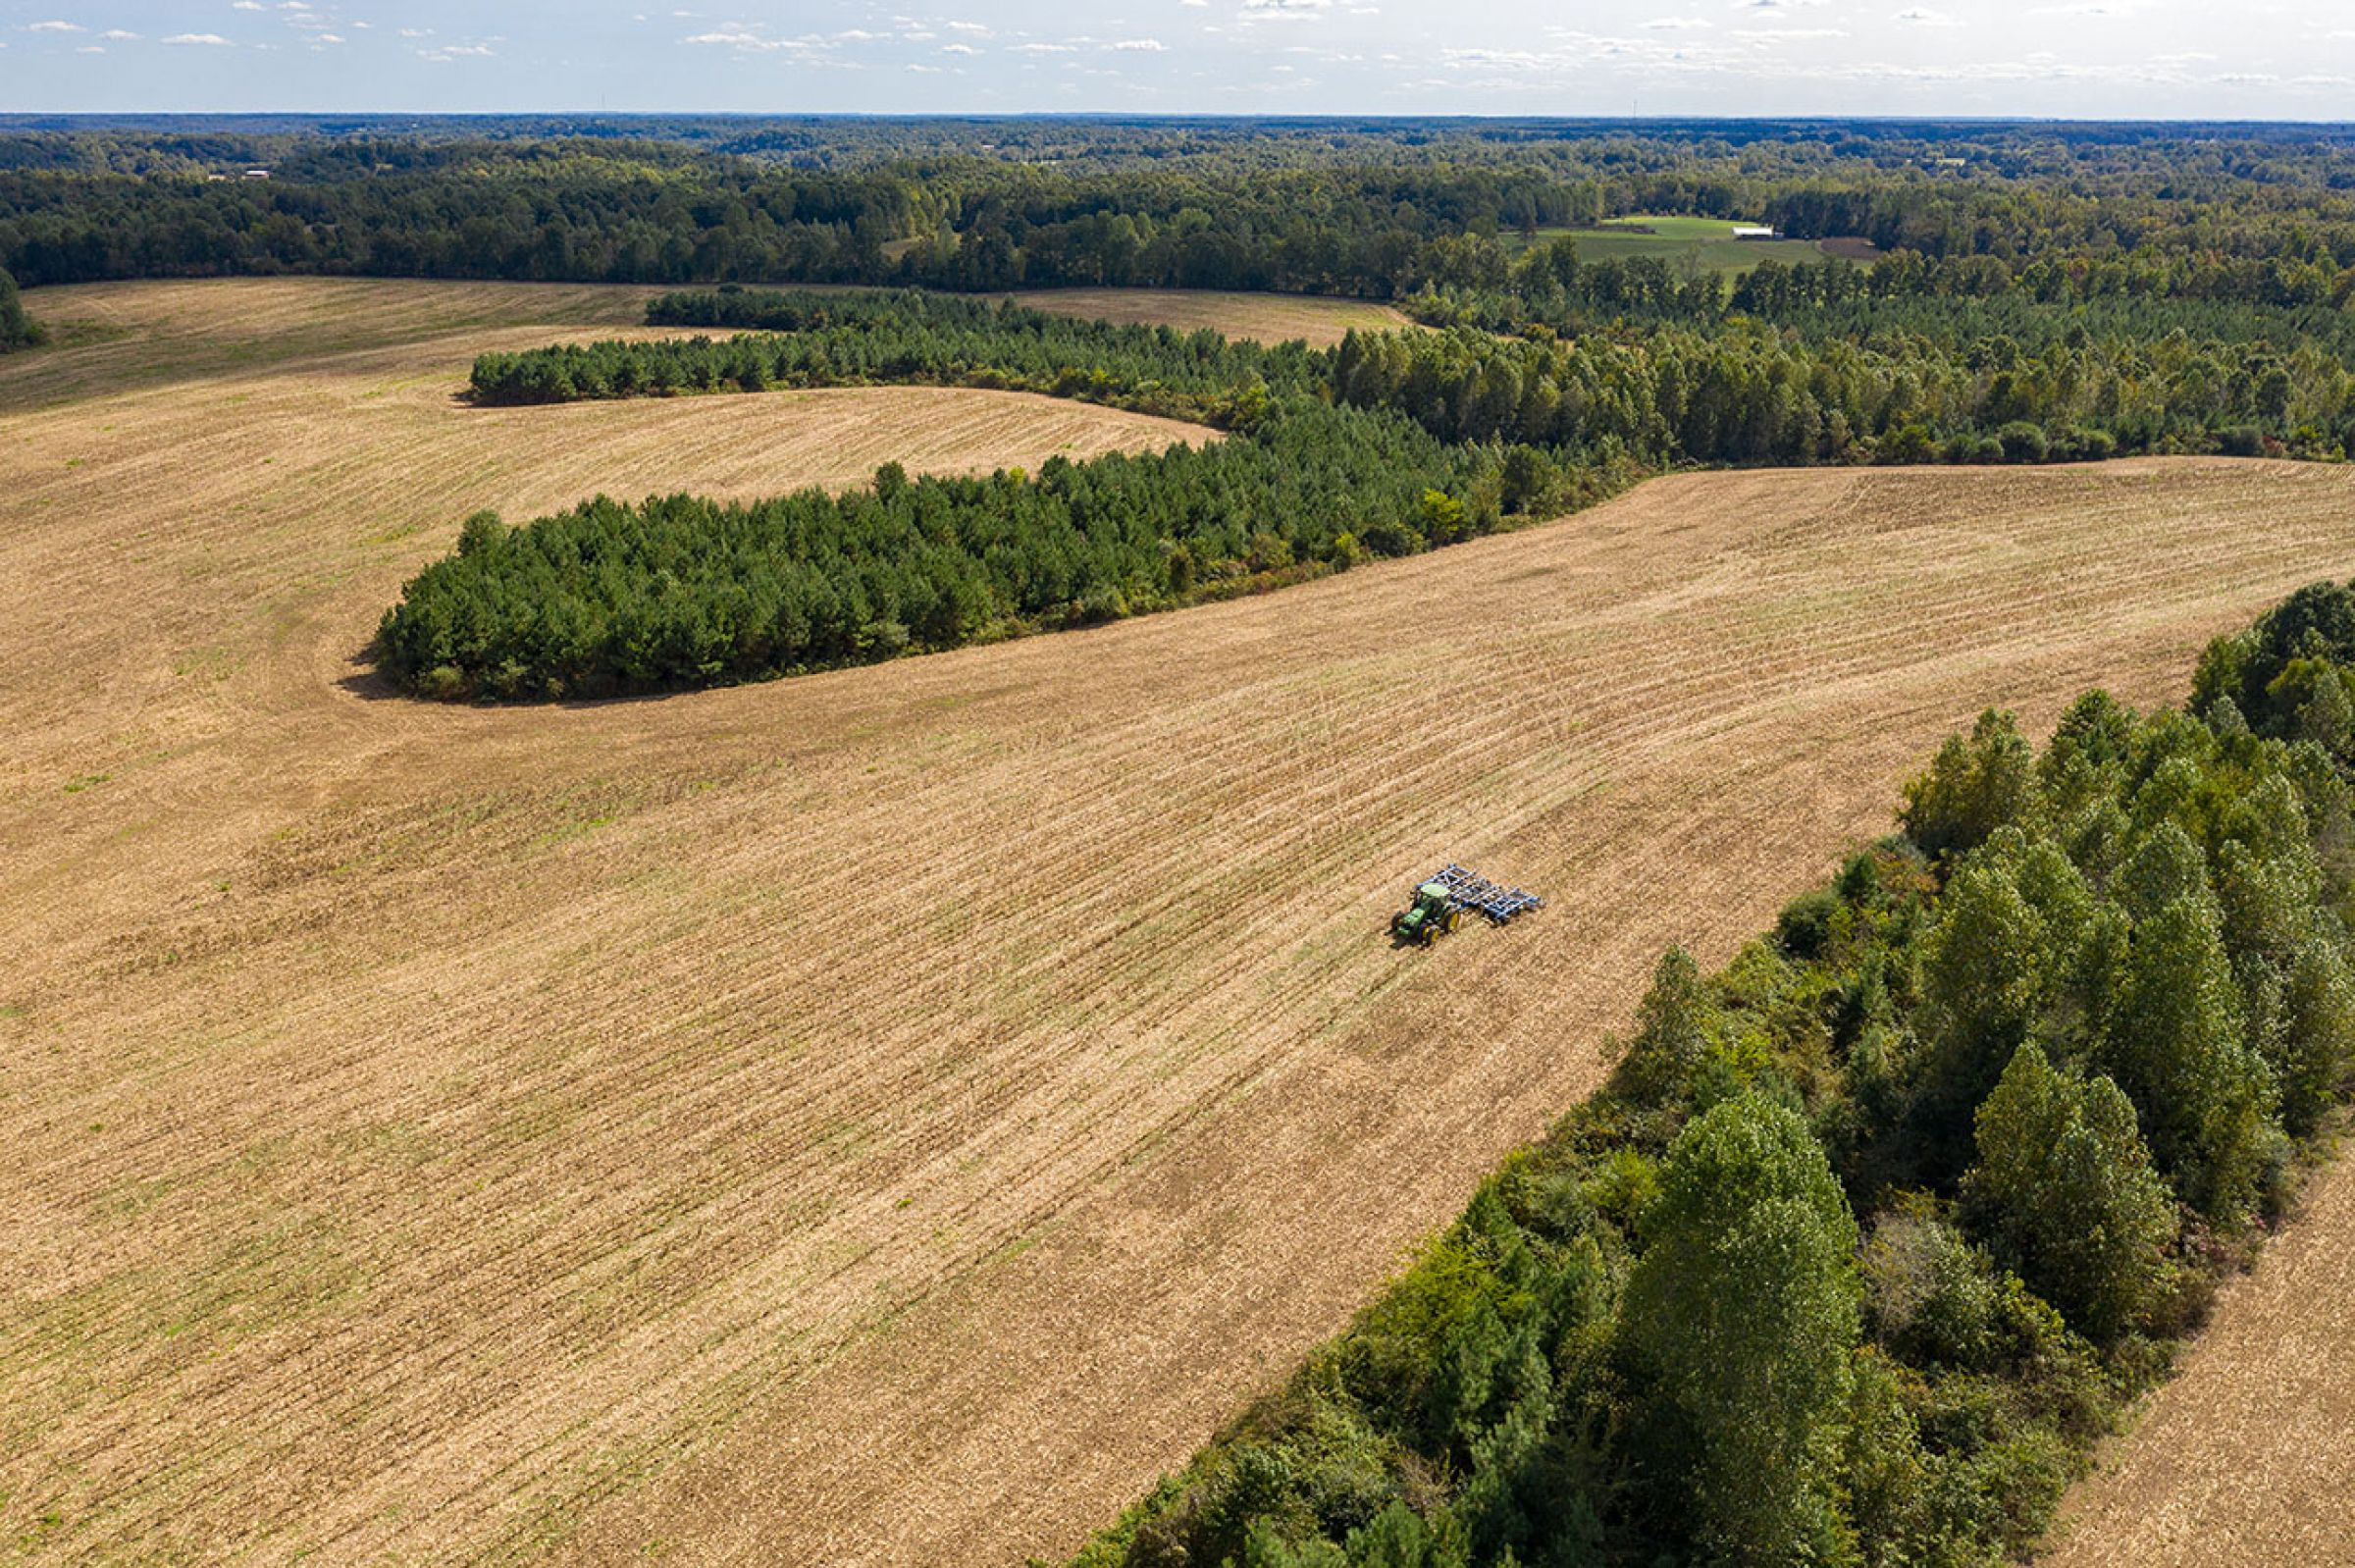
[1319,320]
[883,1116]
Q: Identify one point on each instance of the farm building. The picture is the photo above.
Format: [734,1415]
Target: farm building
[1754,230]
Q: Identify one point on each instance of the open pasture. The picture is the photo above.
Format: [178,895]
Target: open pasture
[882,1117]
[1707,242]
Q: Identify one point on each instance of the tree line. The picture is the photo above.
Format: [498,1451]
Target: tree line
[1875,1232]
[908,339]
[1737,390]
[17,330]
[1746,391]
[682,591]
[1387,443]
[1363,208]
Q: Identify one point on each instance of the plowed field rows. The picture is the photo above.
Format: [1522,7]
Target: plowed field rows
[885,1117]
[2249,1456]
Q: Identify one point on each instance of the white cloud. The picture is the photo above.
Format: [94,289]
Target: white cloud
[1141,45]
[958,48]
[1924,16]
[1285,9]
[210,40]
[118,35]
[55,27]
[740,38]
[1675,24]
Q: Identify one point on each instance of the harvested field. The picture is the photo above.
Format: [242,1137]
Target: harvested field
[888,1115]
[112,336]
[2249,1456]
[1263,318]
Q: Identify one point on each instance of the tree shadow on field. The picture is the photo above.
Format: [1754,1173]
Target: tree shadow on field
[366,679]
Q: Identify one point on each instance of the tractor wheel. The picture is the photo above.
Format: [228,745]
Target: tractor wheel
[1455,917]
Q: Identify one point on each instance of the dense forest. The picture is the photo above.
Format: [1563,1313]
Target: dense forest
[17,330]
[1874,1232]
[1388,443]
[2117,288]
[909,338]
[680,591]
[1735,392]
[1747,393]
[2253,215]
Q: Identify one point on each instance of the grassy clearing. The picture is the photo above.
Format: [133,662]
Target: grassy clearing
[1707,242]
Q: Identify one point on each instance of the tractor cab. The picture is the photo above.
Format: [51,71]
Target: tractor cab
[1431,913]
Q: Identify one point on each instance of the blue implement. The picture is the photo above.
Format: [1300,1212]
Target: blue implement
[1468,890]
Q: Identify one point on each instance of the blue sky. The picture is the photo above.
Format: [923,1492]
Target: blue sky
[2081,58]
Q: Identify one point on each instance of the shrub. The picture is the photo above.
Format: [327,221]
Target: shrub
[2022,443]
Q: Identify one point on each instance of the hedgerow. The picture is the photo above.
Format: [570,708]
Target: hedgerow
[807,339]
[682,591]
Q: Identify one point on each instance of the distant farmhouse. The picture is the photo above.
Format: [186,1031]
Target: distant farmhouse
[1754,230]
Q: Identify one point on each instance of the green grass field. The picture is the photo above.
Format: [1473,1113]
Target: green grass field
[1708,241]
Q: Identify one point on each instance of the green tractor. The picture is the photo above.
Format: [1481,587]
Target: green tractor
[1431,913]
